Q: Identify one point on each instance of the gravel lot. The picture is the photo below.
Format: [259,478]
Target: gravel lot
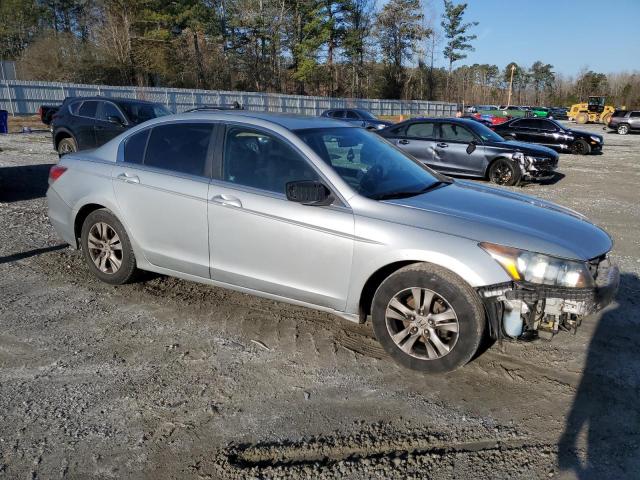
[170,379]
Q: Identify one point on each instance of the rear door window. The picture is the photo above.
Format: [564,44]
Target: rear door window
[421,130]
[635,115]
[88,109]
[179,147]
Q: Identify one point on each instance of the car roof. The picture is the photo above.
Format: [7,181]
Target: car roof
[111,99]
[285,120]
[460,121]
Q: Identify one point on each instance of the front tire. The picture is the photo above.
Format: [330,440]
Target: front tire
[580,147]
[505,172]
[428,319]
[107,249]
[623,129]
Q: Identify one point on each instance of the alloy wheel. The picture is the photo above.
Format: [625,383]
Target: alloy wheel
[66,147]
[422,323]
[502,174]
[623,129]
[105,248]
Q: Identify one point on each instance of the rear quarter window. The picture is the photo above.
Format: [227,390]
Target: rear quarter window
[74,107]
[134,147]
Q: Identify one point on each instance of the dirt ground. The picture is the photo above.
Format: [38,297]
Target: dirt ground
[170,379]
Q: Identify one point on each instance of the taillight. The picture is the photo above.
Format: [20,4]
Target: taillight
[56,172]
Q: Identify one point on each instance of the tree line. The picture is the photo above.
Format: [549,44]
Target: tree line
[345,48]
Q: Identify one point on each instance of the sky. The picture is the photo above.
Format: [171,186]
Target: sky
[602,35]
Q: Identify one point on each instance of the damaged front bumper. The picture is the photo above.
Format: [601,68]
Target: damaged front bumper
[528,311]
[537,168]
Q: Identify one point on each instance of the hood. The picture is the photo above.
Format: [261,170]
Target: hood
[582,133]
[527,148]
[498,216]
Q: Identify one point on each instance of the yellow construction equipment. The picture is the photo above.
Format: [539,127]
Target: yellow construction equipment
[594,111]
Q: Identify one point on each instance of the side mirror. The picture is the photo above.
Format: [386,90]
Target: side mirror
[471,147]
[309,192]
[115,120]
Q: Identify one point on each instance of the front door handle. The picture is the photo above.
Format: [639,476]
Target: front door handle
[125,177]
[403,142]
[442,145]
[226,200]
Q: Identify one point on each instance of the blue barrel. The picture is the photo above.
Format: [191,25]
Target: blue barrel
[4,121]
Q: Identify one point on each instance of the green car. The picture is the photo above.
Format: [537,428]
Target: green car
[542,112]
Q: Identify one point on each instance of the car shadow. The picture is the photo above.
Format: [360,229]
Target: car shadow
[605,407]
[31,253]
[25,182]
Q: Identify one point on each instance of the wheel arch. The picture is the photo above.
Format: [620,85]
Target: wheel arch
[81,216]
[60,134]
[480,271]
[500,156]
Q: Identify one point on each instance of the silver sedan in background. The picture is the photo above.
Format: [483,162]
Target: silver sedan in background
[318,213]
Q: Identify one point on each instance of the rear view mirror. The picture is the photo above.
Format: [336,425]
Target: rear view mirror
[471,148]
[309,192]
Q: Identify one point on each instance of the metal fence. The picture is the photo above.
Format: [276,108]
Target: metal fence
[25,97]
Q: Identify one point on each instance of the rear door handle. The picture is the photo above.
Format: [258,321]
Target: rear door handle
[226,200]
[125,177]
[442,145]
[403,142]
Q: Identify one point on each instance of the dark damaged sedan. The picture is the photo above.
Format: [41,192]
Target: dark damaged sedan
[552,134]
[458,146]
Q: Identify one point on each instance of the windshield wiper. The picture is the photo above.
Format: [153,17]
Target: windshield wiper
[412,193]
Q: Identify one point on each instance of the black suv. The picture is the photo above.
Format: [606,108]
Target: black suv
[88,122]
[358,117]
[624,121]
[458,146]
[551,134]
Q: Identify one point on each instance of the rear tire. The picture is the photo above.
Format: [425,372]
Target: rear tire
[107,249]
[428,319]
[505,172]
[582,118]
[67,145]
[580,147]
[623,129]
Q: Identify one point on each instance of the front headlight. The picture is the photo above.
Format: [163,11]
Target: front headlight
[522,265]
[595,139]
[380,126]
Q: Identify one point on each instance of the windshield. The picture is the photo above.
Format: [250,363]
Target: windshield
[369,164]
[141,112]
[485,133]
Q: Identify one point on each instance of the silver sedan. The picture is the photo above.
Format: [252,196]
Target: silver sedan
[318,213]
